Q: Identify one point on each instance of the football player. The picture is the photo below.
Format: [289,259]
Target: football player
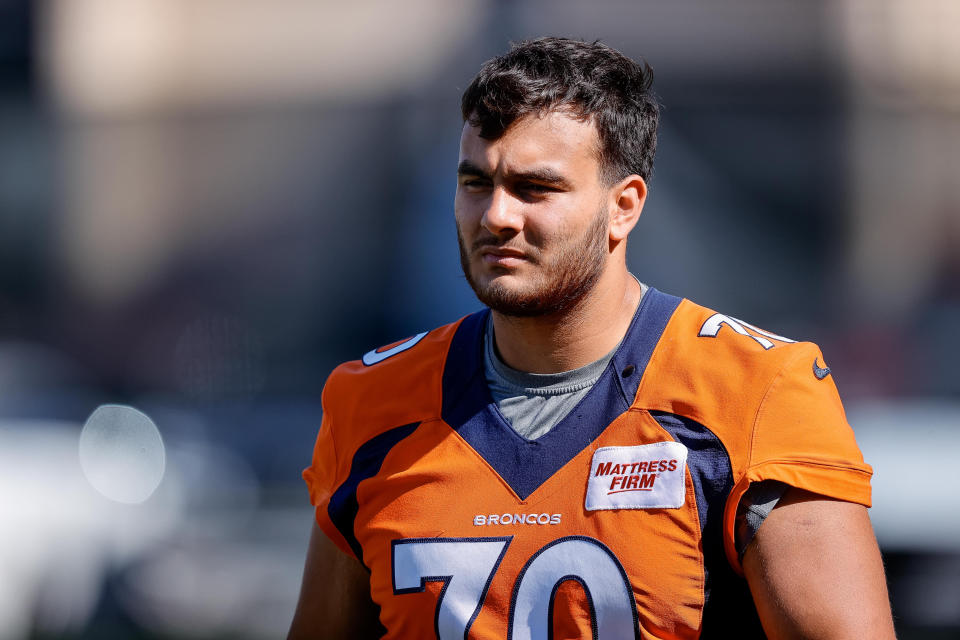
[587,457]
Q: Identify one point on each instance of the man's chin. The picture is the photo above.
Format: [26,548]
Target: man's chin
[513,301]
[512,294]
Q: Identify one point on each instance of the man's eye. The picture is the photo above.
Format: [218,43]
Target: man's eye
[474,183]
[534,187]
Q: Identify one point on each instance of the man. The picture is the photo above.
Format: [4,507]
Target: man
[590,457]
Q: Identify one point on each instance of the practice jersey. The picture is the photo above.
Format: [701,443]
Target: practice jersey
[617,523]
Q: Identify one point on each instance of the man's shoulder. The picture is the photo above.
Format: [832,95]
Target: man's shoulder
[402,377]
[718,369]
[770,400]
[713,340]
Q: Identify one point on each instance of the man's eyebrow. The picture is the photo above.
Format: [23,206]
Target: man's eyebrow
[467,168]
[542,174]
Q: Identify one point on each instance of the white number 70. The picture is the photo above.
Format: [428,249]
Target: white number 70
[466,567]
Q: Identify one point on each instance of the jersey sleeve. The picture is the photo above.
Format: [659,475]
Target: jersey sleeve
[801,437]
[323,476]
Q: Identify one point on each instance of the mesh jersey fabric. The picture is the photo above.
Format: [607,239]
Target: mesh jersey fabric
[533,403]
[469,530]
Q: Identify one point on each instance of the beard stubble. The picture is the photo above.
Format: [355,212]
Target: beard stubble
[564,279]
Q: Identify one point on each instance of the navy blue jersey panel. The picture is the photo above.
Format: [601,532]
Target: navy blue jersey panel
[463,365]
[709,466]
[525,464]
[366,463]
[728,604]
[464,386]
[651,319]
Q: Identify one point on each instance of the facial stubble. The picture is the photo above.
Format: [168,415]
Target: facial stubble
[565,279]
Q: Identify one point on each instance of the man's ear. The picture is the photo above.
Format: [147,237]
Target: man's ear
[628,197]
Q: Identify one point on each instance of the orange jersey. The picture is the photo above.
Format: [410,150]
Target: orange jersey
[618,523]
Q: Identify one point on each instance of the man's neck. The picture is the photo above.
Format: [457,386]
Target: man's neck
[575,337]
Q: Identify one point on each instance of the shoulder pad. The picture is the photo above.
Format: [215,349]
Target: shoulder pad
[716,369]
[396,384]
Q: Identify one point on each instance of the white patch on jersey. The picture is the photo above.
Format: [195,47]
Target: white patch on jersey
[374,356]
[646,476]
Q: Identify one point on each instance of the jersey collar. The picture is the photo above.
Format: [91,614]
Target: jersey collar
[526,464]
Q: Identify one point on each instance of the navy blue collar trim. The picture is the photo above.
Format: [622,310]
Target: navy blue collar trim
[526,464]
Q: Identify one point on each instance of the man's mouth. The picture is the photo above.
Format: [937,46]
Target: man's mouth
[502,256]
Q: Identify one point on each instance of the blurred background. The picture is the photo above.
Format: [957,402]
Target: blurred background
[205,205]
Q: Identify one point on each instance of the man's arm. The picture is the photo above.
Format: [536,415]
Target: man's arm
[815,571]
[334,597]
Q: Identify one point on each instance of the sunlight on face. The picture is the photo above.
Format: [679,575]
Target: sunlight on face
[531,212]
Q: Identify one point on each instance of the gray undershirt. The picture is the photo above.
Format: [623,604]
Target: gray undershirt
[534,403]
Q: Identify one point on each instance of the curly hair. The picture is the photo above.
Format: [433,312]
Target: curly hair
[590,81]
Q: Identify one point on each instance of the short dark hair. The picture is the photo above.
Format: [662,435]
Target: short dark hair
[589,79]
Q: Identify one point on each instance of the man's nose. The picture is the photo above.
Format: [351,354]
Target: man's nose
[502,215]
